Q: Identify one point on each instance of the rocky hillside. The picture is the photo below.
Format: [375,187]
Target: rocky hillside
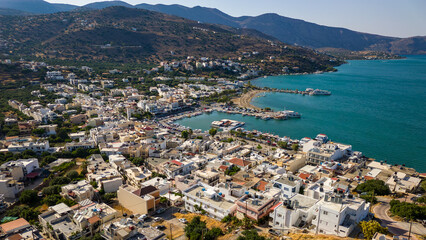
[119,34]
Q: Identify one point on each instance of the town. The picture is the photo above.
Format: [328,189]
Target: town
[99,156]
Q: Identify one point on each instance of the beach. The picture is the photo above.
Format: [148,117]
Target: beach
[245,100]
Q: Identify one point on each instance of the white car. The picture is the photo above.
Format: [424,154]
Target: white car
[183,220]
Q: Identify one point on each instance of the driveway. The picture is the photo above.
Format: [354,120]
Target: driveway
[395,227]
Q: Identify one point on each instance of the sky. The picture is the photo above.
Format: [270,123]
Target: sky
[397,18]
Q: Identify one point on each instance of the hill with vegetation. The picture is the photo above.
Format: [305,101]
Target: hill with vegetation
[128,35]
[288,30]
[299,32]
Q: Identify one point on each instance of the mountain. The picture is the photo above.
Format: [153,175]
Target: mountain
[105,4]
[35,6]
[299,32]
[129,35]
[12,12]
[288,30]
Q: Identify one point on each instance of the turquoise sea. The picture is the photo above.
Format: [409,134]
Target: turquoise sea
[377,106]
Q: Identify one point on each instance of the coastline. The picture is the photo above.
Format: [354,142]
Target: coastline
[245,100]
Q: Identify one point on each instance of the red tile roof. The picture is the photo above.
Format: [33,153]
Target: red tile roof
[239,162]
[275,206]
[223,167]
[15,237]
[262,185]
[304,176]
[93,219]
[177,162]
[10,226]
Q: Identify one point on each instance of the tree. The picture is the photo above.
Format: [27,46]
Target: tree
[72,175]
[213,131]
[39,131]
[259,147]
[28,197]
[195,229]
[213,234]
[51,190]
[295,147]
[282,144]
[370,228]
[185,134]
[250,235]
[60,181]
[423,185]
[378,186]
[232,170]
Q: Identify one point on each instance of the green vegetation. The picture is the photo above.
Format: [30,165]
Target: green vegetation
[232,170]
[28,197]
[378,186]
[370,228]
[408,210]
[423,185]
[184,134]
[282,144]
[250,235]
[295,147]
[213,131]
[197,230]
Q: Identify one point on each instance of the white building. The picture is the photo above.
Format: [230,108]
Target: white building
[40,146]
[288,184]
[9,187]
[20,168]
[339,215]
[78,192]
[298,211]
[216,204]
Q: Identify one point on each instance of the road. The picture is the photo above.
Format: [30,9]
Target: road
[395,227]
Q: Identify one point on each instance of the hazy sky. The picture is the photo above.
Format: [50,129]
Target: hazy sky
[399,18]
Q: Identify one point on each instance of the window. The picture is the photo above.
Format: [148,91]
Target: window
[279,215]
[325,213]
[293,190]
[286,189]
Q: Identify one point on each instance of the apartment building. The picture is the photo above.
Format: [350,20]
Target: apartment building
[254,206]
[139,200]
[202,196]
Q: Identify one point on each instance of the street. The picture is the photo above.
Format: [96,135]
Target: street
[395,227]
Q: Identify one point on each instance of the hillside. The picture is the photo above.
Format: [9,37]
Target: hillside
[299,32]
[288,30]
[12,12]
[35,6]
[124,35]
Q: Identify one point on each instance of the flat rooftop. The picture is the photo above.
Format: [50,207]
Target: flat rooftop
[220,204]
[305,202]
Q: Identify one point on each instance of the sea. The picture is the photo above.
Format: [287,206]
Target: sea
[377,106]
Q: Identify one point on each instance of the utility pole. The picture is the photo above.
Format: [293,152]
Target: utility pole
[409,232]
[319,215]
[171,233]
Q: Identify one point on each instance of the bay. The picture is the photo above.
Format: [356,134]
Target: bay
[377,106]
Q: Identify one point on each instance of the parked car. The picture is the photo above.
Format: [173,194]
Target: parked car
[183,220]
[143,217]
[160,227]
[273,232]
[160,211]
[157,219]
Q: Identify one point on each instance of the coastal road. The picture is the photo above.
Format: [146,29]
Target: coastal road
[396,227]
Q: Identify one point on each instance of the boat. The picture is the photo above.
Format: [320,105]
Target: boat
[291,114]
[319,92]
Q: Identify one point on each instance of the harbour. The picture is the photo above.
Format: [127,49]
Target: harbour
[369,108]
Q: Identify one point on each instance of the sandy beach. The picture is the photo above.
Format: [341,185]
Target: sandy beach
[245,100]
